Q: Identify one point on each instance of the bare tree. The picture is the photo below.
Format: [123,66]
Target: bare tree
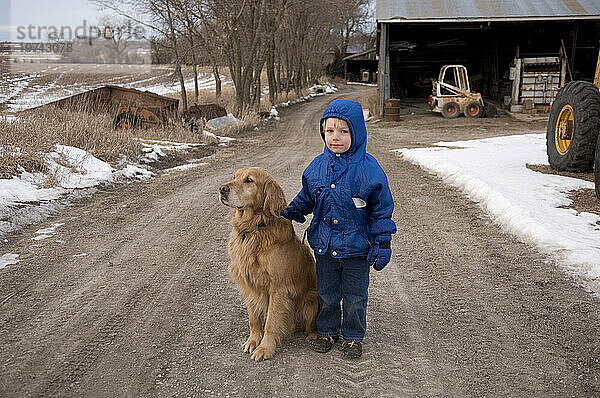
[290,38]
[116,38]
[161,14]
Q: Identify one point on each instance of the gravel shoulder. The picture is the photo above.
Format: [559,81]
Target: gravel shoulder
[462,310]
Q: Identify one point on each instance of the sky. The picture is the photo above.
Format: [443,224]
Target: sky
[44,13]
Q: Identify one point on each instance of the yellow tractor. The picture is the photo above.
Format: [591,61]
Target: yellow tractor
[572,137]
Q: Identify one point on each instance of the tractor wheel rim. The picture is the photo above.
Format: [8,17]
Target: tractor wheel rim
[563,131]
[473,110]
[451,110]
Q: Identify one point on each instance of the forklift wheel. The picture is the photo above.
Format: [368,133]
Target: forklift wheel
[473,109]
[450,110]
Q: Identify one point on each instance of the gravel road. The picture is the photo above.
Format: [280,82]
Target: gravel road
[462,310]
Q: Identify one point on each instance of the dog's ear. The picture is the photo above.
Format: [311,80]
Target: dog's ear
[274,199]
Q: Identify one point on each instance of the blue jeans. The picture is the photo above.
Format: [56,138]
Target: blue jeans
[346,280]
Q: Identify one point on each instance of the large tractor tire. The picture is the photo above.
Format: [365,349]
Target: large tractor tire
[573,127]
[597,168]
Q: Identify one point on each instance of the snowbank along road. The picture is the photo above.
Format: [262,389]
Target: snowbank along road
[131,296]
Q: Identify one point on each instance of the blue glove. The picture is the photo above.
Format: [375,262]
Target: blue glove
[292,215]
[381,253]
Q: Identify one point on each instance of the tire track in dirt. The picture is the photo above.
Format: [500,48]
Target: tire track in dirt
[83,357]
[462,310]
[490,309]
[86,304]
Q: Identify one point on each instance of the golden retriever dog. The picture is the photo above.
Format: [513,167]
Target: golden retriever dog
[274,270]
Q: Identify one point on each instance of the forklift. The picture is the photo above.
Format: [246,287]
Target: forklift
[452,96]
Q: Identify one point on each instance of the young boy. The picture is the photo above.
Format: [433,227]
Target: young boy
[348,194]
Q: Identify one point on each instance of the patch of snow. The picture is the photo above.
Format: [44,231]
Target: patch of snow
[10,118]
[322,89]
[362,84]
[83,171]
[183,167]
[205,82]
[133,172]
[17,190]
[493,173]
[221,139]
[8,259]
[46,232]
[152,154]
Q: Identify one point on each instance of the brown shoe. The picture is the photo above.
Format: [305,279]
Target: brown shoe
[352,349]
[322,344]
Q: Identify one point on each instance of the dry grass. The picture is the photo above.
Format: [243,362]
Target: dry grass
[27,141]
[174,132]
[227,97]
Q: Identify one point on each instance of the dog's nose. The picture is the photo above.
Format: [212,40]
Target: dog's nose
[224,189]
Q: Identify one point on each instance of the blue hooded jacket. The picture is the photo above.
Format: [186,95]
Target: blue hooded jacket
[347,193]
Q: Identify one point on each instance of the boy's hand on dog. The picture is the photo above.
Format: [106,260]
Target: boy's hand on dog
[380,254]
[292,215]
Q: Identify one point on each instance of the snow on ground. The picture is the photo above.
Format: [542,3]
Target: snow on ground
[493,173]
[22,90]
[8,259]
[205,82]
[184,167]
[362,84]
[24,201]
[46,233]
[222,140]
[314,91]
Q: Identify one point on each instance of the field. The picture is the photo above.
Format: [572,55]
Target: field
[27,85]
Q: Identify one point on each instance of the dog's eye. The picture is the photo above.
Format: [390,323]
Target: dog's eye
[248,180]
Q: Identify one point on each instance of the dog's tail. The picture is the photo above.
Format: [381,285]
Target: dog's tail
[308,310]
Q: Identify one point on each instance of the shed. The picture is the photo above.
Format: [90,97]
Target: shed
[361,67]
[109,98]
[417,37]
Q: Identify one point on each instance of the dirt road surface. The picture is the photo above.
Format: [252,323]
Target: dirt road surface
[132,298]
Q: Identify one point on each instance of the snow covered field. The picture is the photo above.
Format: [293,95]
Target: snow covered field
[26,86]
[526,203]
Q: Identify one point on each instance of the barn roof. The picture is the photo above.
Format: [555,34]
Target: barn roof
[484,10]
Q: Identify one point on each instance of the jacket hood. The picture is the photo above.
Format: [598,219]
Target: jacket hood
[351,112]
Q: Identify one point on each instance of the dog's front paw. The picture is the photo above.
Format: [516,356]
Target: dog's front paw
[263,352]
[311,336]
[250,344]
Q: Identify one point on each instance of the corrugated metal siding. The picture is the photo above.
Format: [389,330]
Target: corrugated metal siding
[494,9]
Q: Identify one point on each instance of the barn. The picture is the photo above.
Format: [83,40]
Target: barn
[517,53]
